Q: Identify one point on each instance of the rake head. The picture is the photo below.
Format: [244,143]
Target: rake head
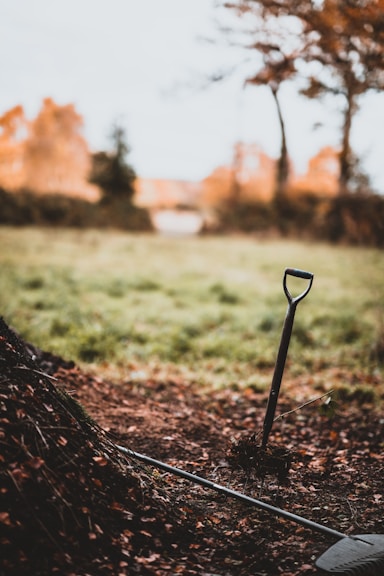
[355,555]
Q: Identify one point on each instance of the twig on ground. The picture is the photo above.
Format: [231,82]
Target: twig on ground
[302,406]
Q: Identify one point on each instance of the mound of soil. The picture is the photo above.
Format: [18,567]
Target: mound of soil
[72,504]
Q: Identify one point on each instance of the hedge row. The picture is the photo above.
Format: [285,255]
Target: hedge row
[356,219]
[26,208]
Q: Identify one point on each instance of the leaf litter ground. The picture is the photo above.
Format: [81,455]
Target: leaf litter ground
[71,504]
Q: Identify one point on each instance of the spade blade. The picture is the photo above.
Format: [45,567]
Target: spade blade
[361,554]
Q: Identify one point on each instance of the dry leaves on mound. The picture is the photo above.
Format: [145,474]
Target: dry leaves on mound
[69,502]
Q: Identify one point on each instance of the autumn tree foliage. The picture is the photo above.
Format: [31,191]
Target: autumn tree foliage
[249,179]
[13,131]
[347,42]
[56,155]
[339,51]
[46,155]
[277,43]
[322,175]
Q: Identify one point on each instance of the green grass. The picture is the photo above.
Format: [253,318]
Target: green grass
[212,308]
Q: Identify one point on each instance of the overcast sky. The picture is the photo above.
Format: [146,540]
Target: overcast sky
[145,63]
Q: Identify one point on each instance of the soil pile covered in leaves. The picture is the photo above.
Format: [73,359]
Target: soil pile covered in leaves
[71,503]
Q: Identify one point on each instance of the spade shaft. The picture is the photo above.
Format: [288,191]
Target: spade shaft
[283,348]
[232,493]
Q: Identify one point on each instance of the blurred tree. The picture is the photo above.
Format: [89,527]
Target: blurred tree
[322,176]
[13,124]
[111,172]
[347,40]
[278,67]
[56,156]
[13,131]
[341,53]
[279,43]
[255,173]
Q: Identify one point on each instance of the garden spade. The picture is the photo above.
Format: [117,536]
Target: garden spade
[283,348]
[361,554]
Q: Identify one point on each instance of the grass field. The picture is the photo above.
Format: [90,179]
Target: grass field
[210,308]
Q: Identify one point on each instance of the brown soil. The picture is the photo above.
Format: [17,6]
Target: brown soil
[72,504]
